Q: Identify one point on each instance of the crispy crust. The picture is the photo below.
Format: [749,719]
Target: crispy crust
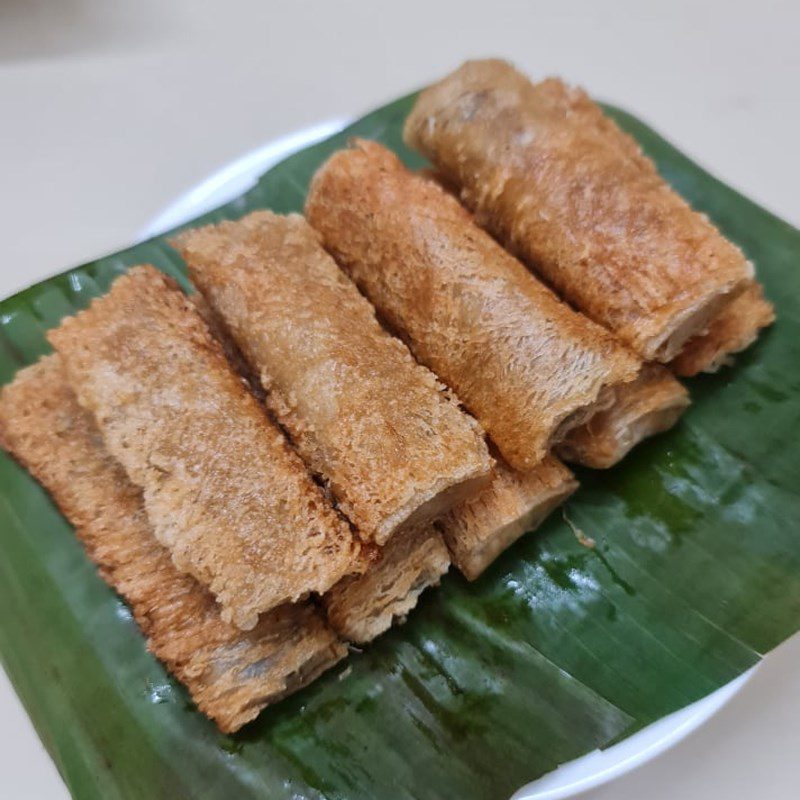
[548,174]
[514,502]
[222,488]
[734,329]
[231,675]
[362,607]
[376,426]
[519,359]
[649,405]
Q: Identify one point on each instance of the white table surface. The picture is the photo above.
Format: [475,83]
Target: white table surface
[108,109]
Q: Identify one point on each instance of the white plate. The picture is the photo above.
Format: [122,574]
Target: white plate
[575,777]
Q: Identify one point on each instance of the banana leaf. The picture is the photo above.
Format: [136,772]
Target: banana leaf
[557,650]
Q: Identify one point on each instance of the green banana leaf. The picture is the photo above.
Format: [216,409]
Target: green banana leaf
[557,650]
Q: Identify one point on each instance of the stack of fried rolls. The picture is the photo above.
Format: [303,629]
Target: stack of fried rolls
[281,463]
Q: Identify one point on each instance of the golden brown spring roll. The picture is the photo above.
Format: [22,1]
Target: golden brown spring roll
[223,490]
[734,329]
[575,197]
[525,364]
[361,607]
[231,675]
[477,531]
[378,428]
[640,409]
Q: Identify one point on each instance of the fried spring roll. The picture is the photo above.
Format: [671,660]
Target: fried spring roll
[525,364]
[393,447]
[477,531]
[223,490]
[642,408]
[361,607]
[548,174]
[231,675]
[734,329]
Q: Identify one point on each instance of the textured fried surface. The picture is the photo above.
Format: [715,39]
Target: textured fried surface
[232,352]
[518,358]
[231,675]
[514,502]
[222,488]
[548,174]
[734,329]
[649,405]
[364,606]
[393,447]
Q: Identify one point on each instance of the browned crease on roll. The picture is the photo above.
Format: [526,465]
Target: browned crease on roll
[232,352]
[439,178]
[393,447]
[734,329]
[548,174]
[231,675]
[647,406]
[524,363]
[361,607]
[477,531]
[223,490]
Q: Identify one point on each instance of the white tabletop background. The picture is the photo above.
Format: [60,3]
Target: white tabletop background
[108,109]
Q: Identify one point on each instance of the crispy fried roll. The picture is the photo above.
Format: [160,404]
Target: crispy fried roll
[524,363]
[376,426]
[477,531]
[231,675]
[361,607]
[734,329]
[642,408]
[222,488]
[552,177]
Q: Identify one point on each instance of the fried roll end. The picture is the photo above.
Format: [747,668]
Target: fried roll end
[230,675]
[362,607]
[651,404]
[514,502]
[734,329]
[290,647]
[222,489]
